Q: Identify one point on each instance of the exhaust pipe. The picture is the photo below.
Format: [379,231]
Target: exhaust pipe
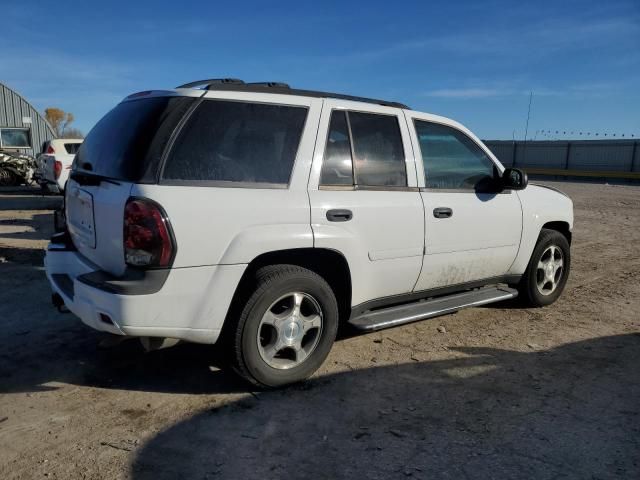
[157,343]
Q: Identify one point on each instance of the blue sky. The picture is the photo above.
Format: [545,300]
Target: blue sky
[473,61]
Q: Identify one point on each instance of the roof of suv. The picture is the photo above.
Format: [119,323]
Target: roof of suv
[236,85]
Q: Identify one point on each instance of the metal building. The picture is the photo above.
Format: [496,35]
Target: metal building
[601,158]
[22,128]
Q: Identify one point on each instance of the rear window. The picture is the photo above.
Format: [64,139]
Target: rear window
[231,141]
[127,143]
[72,148]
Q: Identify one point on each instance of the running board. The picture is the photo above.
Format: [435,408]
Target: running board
[423,309]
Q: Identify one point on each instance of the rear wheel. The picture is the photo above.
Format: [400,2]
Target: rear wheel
[548,270]
[7,178]
[286,328]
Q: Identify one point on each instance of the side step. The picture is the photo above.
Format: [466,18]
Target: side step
[423,309]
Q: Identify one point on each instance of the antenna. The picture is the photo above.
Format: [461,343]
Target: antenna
[526,129]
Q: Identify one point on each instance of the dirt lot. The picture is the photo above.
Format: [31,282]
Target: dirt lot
[505,392]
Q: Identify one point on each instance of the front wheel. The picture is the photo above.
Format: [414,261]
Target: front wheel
[286,328]
[548,270]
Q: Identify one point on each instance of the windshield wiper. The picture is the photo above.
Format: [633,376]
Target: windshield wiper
[90,179]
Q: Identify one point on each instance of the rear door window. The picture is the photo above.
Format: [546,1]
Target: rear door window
[365,144]
[127,143]
[337,167]
[377,149]
[239,142]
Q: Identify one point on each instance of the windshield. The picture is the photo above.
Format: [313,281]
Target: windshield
[127,143]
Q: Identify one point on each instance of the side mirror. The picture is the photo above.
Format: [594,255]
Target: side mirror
[515,179]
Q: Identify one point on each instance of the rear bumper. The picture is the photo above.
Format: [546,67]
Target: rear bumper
[185,303]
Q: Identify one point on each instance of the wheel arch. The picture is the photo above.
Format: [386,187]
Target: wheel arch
[531,238]
[561,227]
[329,264]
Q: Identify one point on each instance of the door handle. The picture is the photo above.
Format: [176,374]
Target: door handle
[339,215]
[442,212]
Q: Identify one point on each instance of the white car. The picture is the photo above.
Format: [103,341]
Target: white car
[262,217]
[55,161]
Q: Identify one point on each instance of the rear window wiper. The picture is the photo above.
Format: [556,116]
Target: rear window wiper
[88,178]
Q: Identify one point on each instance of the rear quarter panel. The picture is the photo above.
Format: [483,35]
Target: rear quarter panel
[214,226]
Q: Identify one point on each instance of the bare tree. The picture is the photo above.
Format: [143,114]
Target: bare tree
[72,133]
[59,120]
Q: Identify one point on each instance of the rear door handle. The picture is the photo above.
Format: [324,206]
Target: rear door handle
[442,212]
[339,215]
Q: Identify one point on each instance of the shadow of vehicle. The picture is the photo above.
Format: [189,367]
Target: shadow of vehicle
[573,411]
[73,356]
[38,227]
[21,239]
[28,198]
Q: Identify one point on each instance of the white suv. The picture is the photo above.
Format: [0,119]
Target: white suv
[263,217]
[55,161]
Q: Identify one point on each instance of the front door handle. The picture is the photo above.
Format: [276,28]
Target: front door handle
[442,212]
[339,215]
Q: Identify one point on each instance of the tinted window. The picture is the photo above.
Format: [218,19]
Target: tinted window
[237,142]
[72,148]
[377,148]
[452,160]
[14,138]
[128,141]
[337,168]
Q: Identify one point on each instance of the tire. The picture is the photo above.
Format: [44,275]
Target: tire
[268,323]
[7,178]
[550,244]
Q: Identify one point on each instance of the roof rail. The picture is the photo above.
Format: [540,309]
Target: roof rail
[235,85]
[212,81]
[270,84]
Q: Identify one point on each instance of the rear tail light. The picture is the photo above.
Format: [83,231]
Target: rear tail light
[50,149]
[57,168]
[148,239]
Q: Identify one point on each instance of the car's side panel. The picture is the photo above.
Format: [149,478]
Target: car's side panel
[479,241]
[215,225]
[255,240]
[482,236]
[539,206]
[383,242]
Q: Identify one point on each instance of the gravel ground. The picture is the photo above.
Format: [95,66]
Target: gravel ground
[495,392]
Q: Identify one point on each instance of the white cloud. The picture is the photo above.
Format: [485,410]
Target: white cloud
[524,42]
[86,86]
[465,93]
